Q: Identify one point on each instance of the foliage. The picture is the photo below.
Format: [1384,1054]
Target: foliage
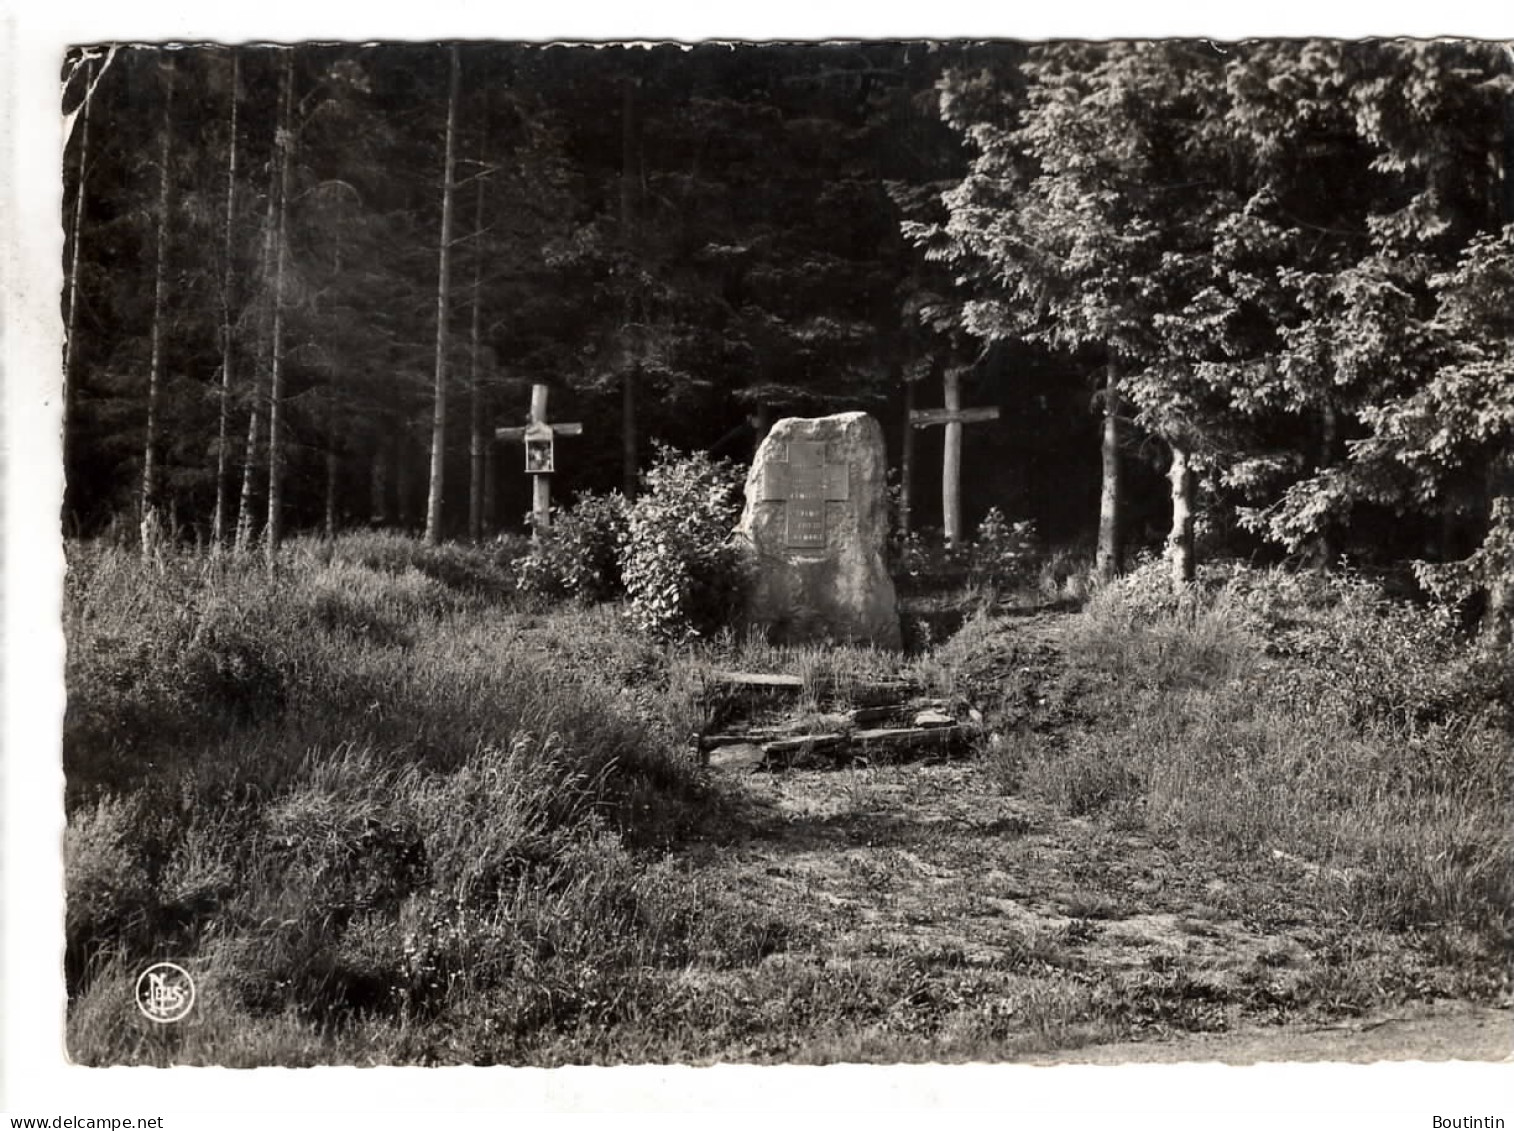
[683,570]
[579,556]
[1003,553]
[427,810]
[1287,248]
[1306,714]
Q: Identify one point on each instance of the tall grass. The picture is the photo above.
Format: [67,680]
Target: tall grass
[1299,718]
[345,794]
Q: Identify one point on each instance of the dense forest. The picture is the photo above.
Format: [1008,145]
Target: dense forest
[1254,297]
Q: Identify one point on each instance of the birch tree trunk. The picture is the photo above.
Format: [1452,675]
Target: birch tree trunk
[433,533]
[69,338]
[274,531]
[150,521]
[1180,538]
[245,508]
[1107,559]
[223,461]
[244,535]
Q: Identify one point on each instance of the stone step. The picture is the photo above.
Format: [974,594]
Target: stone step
[745,752]
[865,695]
[932,713]
[760,681]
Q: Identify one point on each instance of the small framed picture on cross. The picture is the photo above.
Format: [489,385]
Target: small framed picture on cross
[539,455]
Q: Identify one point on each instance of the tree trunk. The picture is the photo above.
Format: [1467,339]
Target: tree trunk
[150,520]
[249,470]
[1180,538]
[628,162]
[1500,618]
[245,534]
[76,238]
[1107,560]
[433,533]
[477,441]
[223,440]
[274,530]
[907,459]
[951,460]
[1498,625]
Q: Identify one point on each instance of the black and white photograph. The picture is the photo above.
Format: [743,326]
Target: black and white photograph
[850,551]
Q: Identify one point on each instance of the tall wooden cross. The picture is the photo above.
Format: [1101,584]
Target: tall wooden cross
[953,416]
[806,483]
[538,438]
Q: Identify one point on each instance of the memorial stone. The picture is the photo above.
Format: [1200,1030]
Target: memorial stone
[815,524]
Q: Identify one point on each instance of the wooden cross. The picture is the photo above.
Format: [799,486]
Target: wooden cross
[538,437]
[806,483]
[953,416]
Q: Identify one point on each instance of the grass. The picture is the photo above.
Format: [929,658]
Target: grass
[387,811]
[1269,714]
[346,795]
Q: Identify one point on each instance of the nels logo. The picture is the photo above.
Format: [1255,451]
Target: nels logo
[165,993]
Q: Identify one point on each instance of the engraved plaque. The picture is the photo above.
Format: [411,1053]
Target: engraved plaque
[805,483]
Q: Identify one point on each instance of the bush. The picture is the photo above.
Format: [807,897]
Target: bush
[924,556]
[1380,661]
[1003,553]
[683,569]
[1305,712]
[579,557]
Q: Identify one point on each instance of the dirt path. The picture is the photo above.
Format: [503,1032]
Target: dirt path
[1032,935]
[1434,1032]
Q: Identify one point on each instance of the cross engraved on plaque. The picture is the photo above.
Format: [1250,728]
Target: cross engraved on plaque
[806,483]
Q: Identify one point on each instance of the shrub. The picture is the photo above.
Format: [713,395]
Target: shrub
[1303,711]
[683,569]
[1348,647]
[1003,553]
[925,556]
[579,556]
